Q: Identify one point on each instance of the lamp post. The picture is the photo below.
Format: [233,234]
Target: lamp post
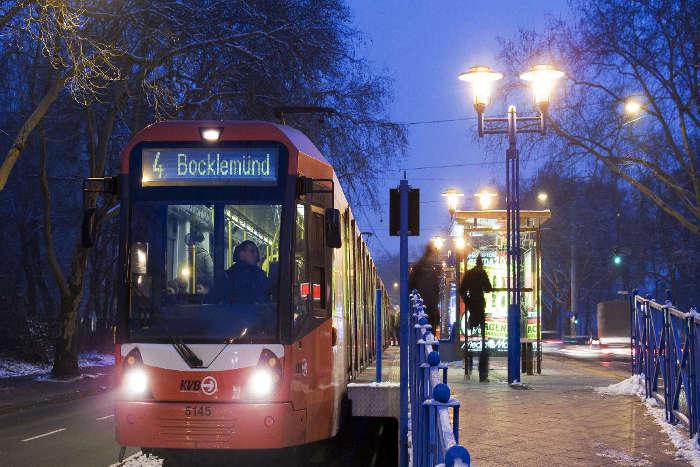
[542,79]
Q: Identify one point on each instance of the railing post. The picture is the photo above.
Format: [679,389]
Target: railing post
[378,336]
[634,333]
[692,391]
[670,367]
[648,357]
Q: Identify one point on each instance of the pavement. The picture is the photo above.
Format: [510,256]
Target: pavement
[559,420]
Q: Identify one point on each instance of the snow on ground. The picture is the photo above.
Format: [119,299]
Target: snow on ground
[11,367]
[634,386]
[383,384]
[620,457]
[142,460]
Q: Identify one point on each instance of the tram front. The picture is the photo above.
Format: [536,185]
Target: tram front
[207,220]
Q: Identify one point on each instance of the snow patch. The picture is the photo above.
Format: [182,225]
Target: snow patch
[685,447]
[11,367]
[632,386]
[144,460]
[383,384]
[620,457]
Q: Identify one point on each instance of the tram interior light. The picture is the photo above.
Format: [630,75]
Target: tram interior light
[210,134]
[261,383]
[135,381]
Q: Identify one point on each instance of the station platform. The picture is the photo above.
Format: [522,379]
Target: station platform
[559,420]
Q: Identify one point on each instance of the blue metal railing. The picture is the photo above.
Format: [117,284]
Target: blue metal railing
[665,351]
[434,437]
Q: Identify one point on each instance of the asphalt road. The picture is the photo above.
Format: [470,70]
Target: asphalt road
[75,433]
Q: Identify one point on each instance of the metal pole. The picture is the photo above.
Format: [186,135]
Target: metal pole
[404,317]
[378,336]
[513,253]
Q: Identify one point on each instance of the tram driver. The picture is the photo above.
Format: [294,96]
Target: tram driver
[249,283]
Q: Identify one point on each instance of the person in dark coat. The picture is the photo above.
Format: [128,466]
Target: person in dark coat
[249,283]
[425,279]
[472,289]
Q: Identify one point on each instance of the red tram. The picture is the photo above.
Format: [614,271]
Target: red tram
[210,357]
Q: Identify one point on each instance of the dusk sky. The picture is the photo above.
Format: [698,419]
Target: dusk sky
[423,46]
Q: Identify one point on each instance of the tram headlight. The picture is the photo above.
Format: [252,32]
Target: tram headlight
[261,383]
[135,381]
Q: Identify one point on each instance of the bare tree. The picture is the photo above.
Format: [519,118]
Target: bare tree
[251,57]
[619,49]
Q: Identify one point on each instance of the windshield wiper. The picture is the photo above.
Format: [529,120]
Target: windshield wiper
[186,353]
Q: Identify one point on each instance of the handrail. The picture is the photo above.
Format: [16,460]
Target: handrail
[435,439]
[664,340]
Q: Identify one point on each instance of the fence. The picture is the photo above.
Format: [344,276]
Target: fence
[434,438]
[664,350]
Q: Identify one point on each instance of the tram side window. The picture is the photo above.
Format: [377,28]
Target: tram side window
[317,259]
[301,281]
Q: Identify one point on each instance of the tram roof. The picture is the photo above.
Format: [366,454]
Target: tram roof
[232,130]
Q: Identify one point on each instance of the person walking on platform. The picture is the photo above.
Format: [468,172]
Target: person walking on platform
[472,289]
[425,279]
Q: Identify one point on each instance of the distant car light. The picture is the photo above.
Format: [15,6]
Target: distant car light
[260,383]
[135,381]
[210,134]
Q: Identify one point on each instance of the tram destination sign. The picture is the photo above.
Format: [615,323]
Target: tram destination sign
[205,166]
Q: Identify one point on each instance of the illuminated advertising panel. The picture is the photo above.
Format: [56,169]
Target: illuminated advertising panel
[209,166]
[495,266]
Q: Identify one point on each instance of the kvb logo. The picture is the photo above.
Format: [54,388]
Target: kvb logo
[209,386]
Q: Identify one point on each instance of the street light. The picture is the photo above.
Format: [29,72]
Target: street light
[453,196]
[460,243]
[542,197]
[542,79]
[437,242]
[481,78]
[632,107]
[485,198]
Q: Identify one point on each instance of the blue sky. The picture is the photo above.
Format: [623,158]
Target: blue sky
[423,46]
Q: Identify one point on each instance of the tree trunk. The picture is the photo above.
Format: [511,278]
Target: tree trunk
[66,350]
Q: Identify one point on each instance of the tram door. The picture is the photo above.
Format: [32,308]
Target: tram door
[312,324]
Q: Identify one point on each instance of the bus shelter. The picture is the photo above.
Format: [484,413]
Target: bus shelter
[484,233]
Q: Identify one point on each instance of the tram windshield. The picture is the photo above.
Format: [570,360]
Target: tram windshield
[204,272]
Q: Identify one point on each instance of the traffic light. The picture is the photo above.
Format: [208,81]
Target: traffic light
[617,259]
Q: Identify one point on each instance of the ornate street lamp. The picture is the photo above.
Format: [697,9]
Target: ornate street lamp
[542,79]
[453,197]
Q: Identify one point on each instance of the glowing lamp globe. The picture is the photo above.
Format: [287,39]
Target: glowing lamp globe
[481,79]
[542,79]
